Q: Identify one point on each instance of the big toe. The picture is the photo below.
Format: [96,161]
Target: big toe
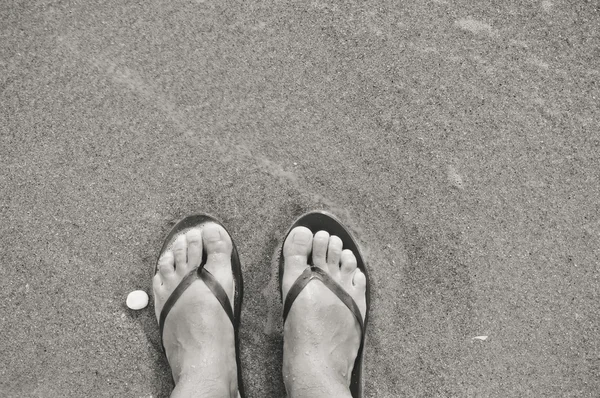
[218,246]
[217,241]
[296,248]
[298,243]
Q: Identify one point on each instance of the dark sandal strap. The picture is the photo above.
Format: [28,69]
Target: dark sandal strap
[311,273]
[210,281]
[182,287]
[216,288]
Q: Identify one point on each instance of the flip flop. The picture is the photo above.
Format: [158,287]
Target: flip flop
[323,221]
[197,221]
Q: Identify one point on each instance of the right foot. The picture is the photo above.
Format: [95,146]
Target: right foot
[321,335]
[198,336]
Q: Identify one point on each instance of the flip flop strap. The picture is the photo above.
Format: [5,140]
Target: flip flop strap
[311,273]
[210,281]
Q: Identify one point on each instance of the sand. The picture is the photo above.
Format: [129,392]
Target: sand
[459,142]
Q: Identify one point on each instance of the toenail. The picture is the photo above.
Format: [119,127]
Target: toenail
[212,234]
[193,235]
[301,238]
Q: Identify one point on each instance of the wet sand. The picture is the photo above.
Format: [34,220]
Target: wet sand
[459,141]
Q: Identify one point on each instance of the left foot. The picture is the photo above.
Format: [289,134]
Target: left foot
[198,336]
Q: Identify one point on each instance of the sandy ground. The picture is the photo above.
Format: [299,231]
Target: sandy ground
[459,141]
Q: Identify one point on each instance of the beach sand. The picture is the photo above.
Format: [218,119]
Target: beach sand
[458,141]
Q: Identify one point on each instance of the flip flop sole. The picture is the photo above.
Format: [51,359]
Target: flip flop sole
[198,221]
[317,221]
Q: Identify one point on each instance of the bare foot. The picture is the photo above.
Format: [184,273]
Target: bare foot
[321,335]
[198,336]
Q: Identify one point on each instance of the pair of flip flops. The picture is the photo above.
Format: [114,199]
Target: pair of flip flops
[314,221]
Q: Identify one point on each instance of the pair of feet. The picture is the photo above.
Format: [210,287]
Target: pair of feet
[321,336]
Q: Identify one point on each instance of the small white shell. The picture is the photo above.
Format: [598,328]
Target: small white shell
[137,300]
[482,338]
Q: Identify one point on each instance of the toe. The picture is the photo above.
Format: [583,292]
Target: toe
[194,247]
[157,283]
[334,254]
[166,265]
[180,253]
[217,242]
[296,248]
[298,243]
[320,243]
[158,290]
[348,265]
[218,246]
[360,280]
